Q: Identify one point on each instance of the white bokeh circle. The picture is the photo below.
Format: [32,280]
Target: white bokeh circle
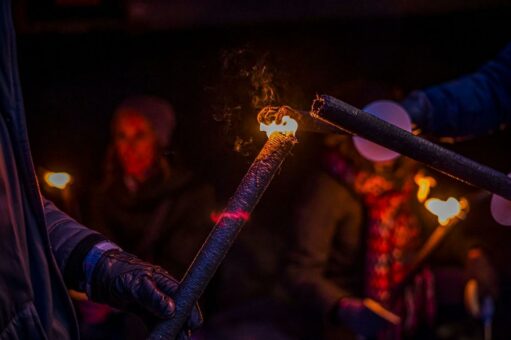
[501,209]
[392,113]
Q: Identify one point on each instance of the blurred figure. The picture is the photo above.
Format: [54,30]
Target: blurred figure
[149,206]
[357,231]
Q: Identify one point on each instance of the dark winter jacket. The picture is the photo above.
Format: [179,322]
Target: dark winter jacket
[326,257]
[165,221]
[41,248]
[471,105]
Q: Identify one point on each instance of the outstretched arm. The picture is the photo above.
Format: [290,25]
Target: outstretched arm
[471,105]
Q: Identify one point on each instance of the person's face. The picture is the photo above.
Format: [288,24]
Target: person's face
[135,143]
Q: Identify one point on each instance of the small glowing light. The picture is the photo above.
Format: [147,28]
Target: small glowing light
[425,183]
[288,126]
[446,210]
[57,180]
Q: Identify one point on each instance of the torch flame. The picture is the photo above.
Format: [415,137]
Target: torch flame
[446,210]
[425,183]
[57,180]
[288,126]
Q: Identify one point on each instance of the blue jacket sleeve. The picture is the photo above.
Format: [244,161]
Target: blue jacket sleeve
[471,105]
[70,242]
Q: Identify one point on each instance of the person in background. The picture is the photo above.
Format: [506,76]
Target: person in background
[148,205]
[356,233]
[43,252]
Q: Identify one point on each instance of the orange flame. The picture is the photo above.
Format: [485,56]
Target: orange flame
[288,126]
[59,180]
[446,210]
[425,183]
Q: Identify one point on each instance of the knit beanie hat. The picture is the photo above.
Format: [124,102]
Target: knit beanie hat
[156,110]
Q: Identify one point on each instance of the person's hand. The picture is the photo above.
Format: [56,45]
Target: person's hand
[482,282]
[479,267]
[365,317]
[125,282]
[418,107]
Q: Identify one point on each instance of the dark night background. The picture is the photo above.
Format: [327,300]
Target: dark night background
[78,63]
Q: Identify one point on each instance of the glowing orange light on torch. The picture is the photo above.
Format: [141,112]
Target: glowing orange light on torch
[229,223]
[425,184]
[59,180]
[447,211]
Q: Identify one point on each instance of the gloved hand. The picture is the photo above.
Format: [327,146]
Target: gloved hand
[419,108]
[365,317]
[125,282]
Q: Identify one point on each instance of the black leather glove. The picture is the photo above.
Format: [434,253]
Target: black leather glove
[126,282]
[365,317]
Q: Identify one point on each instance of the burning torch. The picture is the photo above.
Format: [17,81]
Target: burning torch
[448,213]
[239,207]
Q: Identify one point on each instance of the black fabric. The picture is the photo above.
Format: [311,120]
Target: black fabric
[130,219]
[73,272]
[35,238]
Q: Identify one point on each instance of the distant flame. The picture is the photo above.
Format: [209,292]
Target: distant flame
[59,180]
[446,210]
[425,183]
[288,126]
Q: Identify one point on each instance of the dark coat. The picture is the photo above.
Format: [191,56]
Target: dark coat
[326,259]
[470,105]
[36,239]
[165,221]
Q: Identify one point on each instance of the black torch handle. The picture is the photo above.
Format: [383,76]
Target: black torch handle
[219,241]
[357,122]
